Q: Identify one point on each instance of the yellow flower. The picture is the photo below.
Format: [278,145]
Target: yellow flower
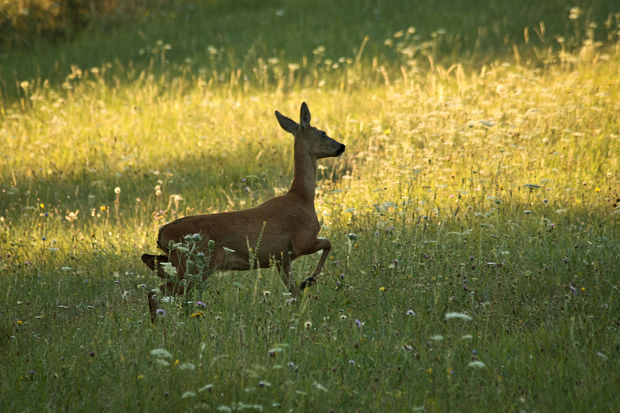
[583,288]
[382,289]
[597,189]
[140,376]
[42,205]
[102,208]
[176,362]
[197,314]
[20,322]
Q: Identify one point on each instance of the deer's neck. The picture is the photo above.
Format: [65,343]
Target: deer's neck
[304,180]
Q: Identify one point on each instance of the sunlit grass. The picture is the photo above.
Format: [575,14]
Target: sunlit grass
[474,224]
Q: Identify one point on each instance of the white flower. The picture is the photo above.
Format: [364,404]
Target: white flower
[461,316]
[168,268]
[187,366]
[161,353]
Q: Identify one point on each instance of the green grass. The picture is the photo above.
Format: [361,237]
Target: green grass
[481,177]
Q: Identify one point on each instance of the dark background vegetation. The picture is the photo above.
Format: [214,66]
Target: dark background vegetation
[475,32]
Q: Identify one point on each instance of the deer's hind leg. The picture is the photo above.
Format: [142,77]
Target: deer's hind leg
[319,244]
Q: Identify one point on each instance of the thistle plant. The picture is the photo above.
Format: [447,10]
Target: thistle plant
[191,249]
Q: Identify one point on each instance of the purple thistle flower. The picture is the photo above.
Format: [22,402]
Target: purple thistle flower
[358,323]
[200,304]
[161,312]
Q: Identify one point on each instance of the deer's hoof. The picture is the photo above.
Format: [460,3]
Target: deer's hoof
[307,283]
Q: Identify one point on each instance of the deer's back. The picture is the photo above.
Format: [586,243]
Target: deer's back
[273,226]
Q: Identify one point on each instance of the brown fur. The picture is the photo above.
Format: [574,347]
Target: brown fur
[287,224]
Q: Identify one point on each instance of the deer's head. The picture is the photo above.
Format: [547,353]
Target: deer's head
[313,140]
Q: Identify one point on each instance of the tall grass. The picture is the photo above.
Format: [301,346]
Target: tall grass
[474,216]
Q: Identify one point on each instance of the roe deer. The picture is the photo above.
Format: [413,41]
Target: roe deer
[287,225]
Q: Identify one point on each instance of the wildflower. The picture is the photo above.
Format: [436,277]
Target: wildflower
[161,353]
[72,216]
[352,362]
[20,322]
[186,366]
[102,208]
[358,323]
[208,387]
[140,376]
[382,289]
[42,205]
[319,386]
[601,355]
[188,394]
[117,190]
[197,314]
[411,313]
[461,316]
[308,325]
[168,268]
[476,364]
[575,13]
[200,304]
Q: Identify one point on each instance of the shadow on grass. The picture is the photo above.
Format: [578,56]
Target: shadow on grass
[205,182]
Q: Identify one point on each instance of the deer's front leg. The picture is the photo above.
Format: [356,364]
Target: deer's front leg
[319,244]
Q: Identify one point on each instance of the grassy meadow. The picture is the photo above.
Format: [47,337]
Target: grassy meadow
[474,216]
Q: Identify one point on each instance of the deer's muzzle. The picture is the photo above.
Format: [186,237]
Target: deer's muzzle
[340,150]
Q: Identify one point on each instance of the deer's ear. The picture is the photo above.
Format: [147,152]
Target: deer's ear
[304,116]
[287,124]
